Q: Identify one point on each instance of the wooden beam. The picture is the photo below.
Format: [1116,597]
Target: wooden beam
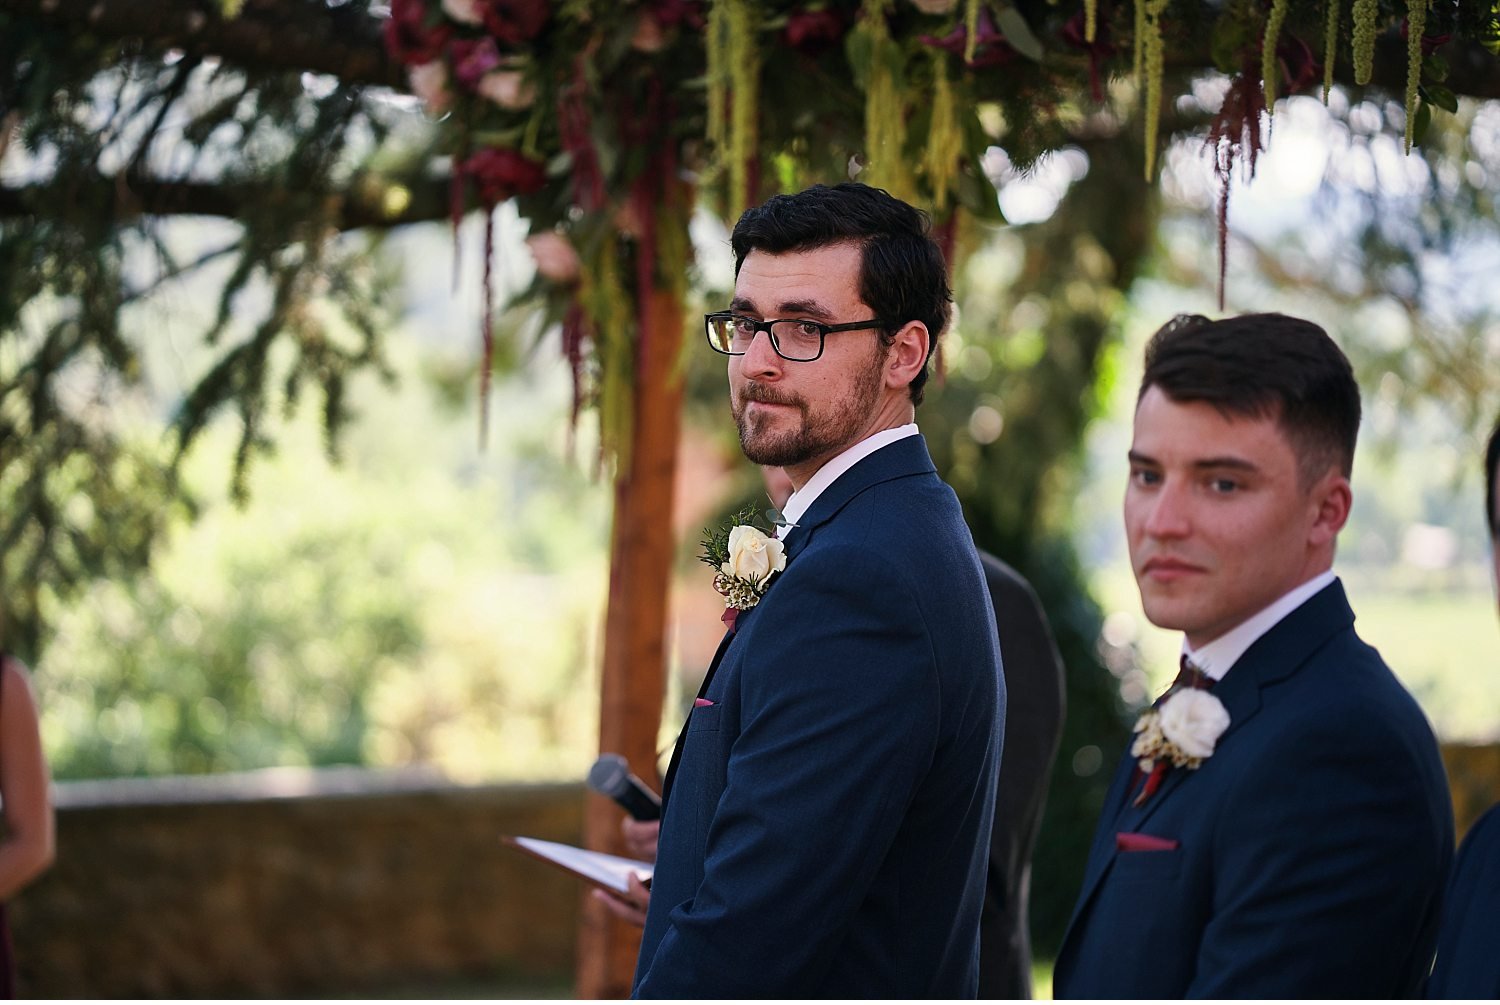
[634,672]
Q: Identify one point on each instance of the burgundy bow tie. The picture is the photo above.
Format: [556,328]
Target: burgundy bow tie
[1187,676]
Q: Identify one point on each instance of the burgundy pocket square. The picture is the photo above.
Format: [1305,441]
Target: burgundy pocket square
[1131,841]
[701,703]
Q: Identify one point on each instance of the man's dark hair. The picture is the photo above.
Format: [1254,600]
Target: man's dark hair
[902,275]
[1491,461]
[1264,366]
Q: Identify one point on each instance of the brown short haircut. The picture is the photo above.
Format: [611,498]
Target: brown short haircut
[1264,366]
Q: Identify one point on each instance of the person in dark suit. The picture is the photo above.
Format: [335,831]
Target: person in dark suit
[1468,964]
[1281,827]
[827,811]
[1034,706]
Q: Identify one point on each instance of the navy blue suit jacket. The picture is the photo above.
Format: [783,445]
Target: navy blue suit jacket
[1312,846]
[827,818]
[1468,953]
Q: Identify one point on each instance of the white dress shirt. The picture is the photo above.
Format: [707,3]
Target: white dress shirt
[800,501]
[1216,657]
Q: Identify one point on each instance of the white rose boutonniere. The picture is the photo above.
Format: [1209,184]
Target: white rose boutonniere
[744,558]
[1180,732]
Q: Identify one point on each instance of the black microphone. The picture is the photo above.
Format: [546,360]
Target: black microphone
[610,776]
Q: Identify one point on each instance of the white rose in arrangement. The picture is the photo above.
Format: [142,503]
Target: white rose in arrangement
[1193,721]
[752,555]
[429,81]
[463,11]
[508,88]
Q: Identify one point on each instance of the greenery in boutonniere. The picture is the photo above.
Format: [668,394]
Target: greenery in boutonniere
[744,558]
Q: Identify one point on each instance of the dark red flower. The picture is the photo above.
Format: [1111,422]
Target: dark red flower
[990,46]
[409,38]
[813,31]
[500,174]
[670,13]
[472,59]
[515,21]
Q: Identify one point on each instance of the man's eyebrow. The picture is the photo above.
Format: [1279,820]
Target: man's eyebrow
[1203,464]
[787,308]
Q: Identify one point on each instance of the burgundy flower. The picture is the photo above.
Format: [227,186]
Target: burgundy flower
[670,13]
[990,46]
[1075,34]
[499,174]
[813,31]
[472,59]
[515,21]
[409,38]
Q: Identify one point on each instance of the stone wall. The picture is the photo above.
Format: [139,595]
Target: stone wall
[296,882]
[290,883]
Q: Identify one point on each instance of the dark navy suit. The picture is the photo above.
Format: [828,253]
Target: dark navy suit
[1468,954]
[1312,846]
[827,818]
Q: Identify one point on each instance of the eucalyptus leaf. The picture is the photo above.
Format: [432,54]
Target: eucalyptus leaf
[1019,34]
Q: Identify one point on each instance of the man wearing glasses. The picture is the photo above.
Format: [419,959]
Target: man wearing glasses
[827,813]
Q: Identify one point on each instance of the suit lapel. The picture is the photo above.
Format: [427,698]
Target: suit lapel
[905,457]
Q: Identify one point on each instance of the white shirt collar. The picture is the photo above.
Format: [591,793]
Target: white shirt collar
[800,501]
[1216,657]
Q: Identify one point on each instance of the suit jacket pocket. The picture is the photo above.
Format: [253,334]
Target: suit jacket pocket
[704,719]
[1152,866]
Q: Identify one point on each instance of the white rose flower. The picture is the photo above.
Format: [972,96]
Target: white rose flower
[1193,720]
[463,11]
[752,555]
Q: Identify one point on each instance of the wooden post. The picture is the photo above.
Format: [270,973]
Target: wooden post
[634,674]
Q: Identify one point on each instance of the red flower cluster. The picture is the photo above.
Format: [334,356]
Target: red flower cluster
[411,37]
[515,21]
[500,174]
[813,31]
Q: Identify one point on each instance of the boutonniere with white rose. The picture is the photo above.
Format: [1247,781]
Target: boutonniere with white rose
[744,558]
[1181,732]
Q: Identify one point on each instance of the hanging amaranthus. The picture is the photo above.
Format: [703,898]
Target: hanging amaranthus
[744,70]
[1138,59]
[1330,46]
[715,47]
[1416,24]
[1153,10]
[885,109]
[945,138]
[1365,13]
[1269,70]
[612,323]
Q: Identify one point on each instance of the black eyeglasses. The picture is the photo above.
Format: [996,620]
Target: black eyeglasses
[796,340]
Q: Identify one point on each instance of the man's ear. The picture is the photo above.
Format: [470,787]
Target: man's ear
[1331,498]
[907,355]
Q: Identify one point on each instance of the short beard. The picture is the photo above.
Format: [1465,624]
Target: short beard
[814,438]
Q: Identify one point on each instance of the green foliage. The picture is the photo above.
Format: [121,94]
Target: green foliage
[418,604]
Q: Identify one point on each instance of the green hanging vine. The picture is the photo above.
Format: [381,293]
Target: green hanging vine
[1270,72]
[1151,11]
[1416,24]
[1330,46]
[1090,20]
[1365,14]
[945,138]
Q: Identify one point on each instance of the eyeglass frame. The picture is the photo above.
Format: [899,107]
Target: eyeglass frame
[824,330]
